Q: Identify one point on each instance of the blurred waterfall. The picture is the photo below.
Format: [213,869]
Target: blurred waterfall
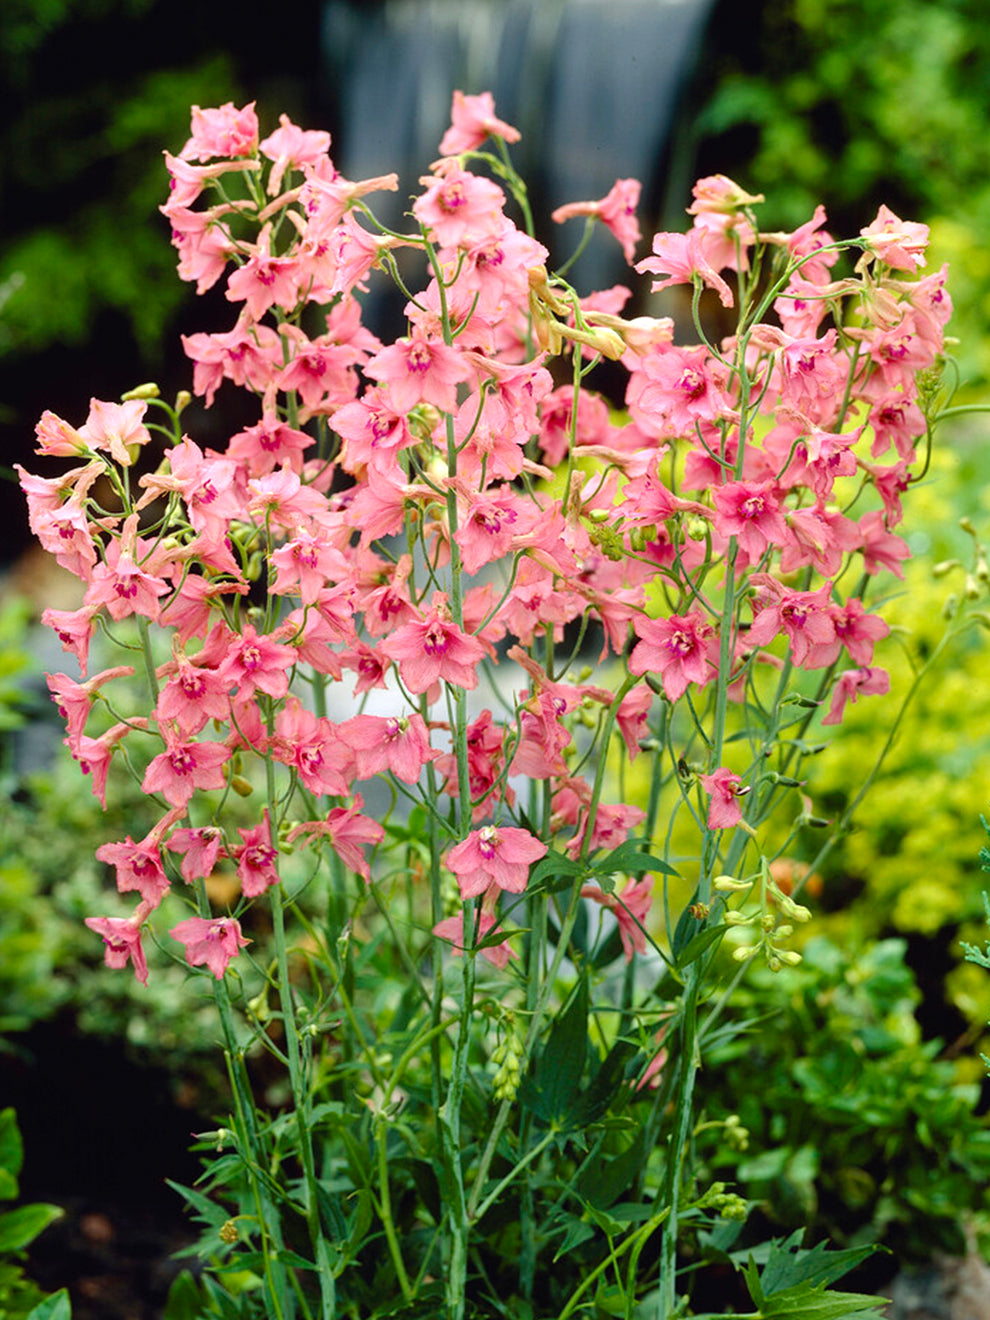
[592,85]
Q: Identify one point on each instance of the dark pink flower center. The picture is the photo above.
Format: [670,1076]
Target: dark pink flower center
[182,761]
[192,684]
[436,641]
[451,197]
[418,357]
[692,383]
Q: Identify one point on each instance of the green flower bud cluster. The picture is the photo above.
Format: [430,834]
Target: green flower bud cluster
[507,1056]
[767,928]
[726,1204]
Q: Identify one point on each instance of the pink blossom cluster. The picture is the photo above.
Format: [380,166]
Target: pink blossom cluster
[734,466]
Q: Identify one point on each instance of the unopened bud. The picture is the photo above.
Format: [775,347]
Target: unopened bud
[796,699]
[241,786]
[967,525]
[972,588]
[182,400]
[228,1231]
[743,952]
[945,566]
[737,919]
[982,569]
[950,607]
[149,390]
[728,884]
[790,957]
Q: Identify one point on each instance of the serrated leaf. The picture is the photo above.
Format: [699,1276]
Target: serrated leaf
[55,1307]
[578,1231]
[212,1213]
[807,1303]
[788,1265]
[20,1227]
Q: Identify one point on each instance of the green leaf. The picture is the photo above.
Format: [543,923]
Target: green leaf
[807,1303]
[628,859]
[606,1082]
[209,1210]
[603,1181]
[11,1147]
[554,864]
[563,1059]
[55,1307]
[9,1190]
[184,1301]
[20,1227]
[697,945]
[578,1231]
[788,1265]
[499,936]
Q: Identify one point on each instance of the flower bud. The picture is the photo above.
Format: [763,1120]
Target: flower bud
[743,952]
[728,884]
[737,919]
[149,390]
[790,957]
[945,566]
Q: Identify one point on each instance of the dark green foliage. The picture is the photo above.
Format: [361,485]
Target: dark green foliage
[856,1125]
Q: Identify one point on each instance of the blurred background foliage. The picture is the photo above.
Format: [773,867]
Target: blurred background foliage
[846,102]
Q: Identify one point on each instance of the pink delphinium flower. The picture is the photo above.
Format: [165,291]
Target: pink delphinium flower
[419,370]
[750,511]
[432,650]
[210,942]
[725,809]
[683,256]
[852,684]
[122,941]
[452,929]
[256,859]
[898,243]
[75,700]
[499,855]
[199,849]
[348,832]
[472,120]
[224,131]
[397,743]
[184,767]
[138,866]
[616,211]
[630,909]
[677,648]
[290,147]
